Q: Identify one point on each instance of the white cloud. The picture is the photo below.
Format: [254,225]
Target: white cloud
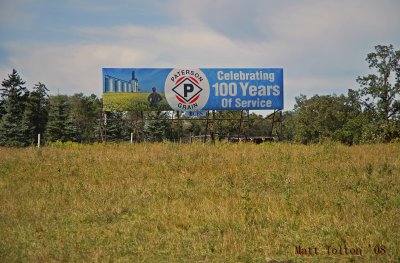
[71,68]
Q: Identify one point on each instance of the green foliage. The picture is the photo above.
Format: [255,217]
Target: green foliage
[74,118]
[86,111]
[226,128]
[72,132]
[117,128]
[328,116]
[157,127]
[135,125]
[195,128]
[13,124]
[258,125]
[36,113]
[381,90]
[288,126]
[352,130]
[60,126]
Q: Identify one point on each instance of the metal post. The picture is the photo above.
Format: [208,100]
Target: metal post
[179,126]
[248,125]
[205,135]
[240,124]
[38,140]
[273,122]
[171,133]
[131,137]
[212,130]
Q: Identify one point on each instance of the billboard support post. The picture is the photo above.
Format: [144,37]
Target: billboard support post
[206,132]
[240,124]
[171,130]
[248,124]
[212,130]
[178,115]
[273,122]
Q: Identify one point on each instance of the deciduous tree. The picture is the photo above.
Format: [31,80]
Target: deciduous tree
[380,90]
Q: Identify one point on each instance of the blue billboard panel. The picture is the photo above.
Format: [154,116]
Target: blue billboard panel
[192,89]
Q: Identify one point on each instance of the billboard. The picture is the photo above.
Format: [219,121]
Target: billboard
[146,89]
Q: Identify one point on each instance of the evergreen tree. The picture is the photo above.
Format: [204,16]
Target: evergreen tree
[71,132]
[36,112]
[85,110]
[116,128]
[27,127]
[14,97]
[40,104]
[100,127]
[157,127]
[57,119]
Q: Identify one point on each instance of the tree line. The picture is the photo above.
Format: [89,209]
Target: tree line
[370,114]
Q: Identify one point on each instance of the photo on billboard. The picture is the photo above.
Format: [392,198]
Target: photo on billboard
[134,89]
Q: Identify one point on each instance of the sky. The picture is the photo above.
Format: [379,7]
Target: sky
[321,45]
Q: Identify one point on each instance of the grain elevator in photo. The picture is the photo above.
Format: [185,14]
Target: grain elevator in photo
[114,84]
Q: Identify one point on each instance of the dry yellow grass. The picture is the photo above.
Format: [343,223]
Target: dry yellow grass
[199,203]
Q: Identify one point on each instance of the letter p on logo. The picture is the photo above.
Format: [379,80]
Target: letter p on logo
[187,88]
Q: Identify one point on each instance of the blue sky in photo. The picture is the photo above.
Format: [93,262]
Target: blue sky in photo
[147,78]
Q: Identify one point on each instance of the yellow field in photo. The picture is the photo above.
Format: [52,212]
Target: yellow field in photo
[131,101]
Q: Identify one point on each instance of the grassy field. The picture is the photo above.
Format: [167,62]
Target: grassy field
[200,203]
[131,101]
